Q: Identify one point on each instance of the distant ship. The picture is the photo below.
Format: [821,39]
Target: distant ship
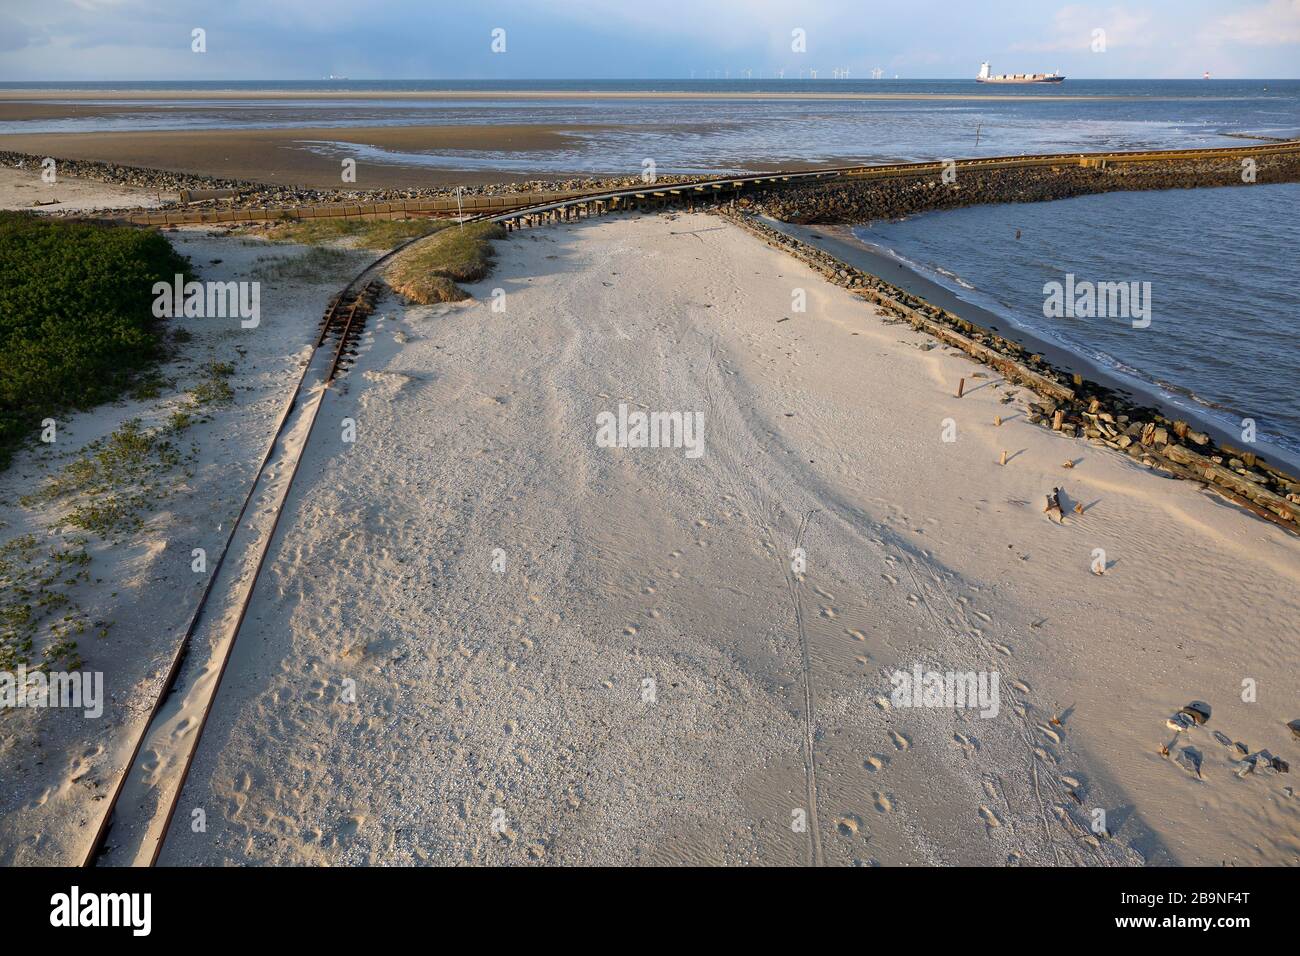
[987,77]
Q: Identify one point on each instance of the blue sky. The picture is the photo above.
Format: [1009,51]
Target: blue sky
[597,39]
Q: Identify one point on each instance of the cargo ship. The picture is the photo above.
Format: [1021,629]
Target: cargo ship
[987,77]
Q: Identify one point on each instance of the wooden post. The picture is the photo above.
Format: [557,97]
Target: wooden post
[1003,459]
[1056,420]
[961,386]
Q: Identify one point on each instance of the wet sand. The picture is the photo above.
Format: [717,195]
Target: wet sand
[280,156]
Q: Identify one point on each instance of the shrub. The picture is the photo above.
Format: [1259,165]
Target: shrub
[76,316]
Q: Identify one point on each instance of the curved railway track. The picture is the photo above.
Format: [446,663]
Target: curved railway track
[143,804]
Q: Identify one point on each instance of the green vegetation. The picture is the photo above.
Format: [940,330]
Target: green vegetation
[213,388]
[429,271]
[115,479]
[317,263]
[378,234]
[76,316]
[33,594]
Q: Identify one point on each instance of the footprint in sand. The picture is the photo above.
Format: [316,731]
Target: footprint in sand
[351,826]
[1002,649]
[890,578]
[631,629]
[990,818]
[875,763]
[1049,733]
[848,826]
[883,703]
[913,599]
[884,803]
[969,745]
[821,592]
[856,635]
[1071,782]
[829,612]
[1020,686]
[901,741]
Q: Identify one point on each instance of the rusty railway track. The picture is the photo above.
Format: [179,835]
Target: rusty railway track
[343,322]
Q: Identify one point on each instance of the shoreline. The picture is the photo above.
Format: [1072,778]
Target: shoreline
[318,94]
[839,241]
[1090,410]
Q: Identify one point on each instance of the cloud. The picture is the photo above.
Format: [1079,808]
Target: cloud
[1276,23]
[1073,30]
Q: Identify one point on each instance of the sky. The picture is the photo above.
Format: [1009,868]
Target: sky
[633,39]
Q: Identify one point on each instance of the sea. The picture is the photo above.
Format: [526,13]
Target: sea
[1221,263]
[1215,271]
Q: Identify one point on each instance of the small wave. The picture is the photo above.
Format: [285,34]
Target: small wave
[954,277]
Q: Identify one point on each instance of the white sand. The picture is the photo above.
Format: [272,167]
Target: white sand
[499,717]
[24,189]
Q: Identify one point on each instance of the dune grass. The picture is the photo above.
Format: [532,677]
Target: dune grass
[314,265]
[429,271]
[378,234]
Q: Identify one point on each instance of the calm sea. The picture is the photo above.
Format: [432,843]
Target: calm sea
[1221,264]
[734,135]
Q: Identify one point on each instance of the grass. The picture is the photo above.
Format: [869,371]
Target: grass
[429,272]
[115,479]
[213,387]
[378,234]
[34,585]
[76,317]
[314,265]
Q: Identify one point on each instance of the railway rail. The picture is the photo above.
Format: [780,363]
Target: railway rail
[143,804]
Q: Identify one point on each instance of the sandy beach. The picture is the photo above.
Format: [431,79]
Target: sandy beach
[448,660]
[25,189]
